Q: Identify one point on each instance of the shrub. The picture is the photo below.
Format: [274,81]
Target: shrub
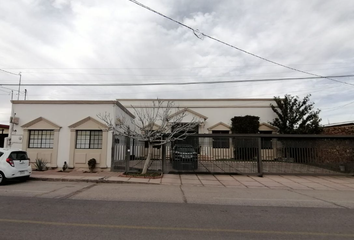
[92,164]
[40,165]
[245,124]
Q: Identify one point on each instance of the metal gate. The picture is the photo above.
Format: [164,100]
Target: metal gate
[251,154]
[128,155]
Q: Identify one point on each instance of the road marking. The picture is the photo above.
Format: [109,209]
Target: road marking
[346,235]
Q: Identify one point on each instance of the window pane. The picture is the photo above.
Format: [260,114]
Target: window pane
[41,139]
[96,139]
[86,139]
[82,139]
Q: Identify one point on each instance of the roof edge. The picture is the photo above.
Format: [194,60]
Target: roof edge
[63,101]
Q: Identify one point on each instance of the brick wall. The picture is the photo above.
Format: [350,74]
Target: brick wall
[339,130]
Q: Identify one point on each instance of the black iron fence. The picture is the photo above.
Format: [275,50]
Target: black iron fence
[256,154]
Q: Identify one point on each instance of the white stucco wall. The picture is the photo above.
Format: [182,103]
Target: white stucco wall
[64,114]
[216,110]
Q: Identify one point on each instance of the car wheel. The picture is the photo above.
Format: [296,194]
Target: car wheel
[2,178]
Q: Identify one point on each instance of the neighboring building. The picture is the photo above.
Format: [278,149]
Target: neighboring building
[65,131]
[4,132]
[346,128]
[215,114]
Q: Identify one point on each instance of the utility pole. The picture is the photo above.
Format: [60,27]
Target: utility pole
[19,87]
[13,115]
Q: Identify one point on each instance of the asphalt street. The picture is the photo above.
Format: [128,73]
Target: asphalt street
[71,210]
[181,194]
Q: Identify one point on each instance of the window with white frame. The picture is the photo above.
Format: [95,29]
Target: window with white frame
[41,139]
[88,139]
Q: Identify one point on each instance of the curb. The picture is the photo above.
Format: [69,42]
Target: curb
[88,180]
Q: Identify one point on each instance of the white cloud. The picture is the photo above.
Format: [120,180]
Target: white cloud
[118,41]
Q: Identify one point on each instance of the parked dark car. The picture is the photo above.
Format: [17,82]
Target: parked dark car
[184,157]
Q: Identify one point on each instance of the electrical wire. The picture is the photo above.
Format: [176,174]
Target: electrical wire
[1,86]
[158,75]
[164,83]
[10,72]
[336,107]
[5,91]
[161,68]
[201,35]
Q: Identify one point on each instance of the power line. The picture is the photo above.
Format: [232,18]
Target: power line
[201,35]
[154,68]
[2,86]
[336,107]
[119,73]
[164,83]
[10,72]
[2,90]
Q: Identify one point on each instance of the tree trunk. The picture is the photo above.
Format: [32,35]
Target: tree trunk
[147,161]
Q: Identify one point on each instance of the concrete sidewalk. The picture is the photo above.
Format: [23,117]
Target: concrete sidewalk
[206,180]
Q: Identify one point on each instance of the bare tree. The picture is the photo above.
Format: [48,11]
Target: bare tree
[157,125]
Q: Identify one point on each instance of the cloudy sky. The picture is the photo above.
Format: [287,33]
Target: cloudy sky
[102,41]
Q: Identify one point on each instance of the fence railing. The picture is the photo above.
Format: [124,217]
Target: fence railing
[251,154]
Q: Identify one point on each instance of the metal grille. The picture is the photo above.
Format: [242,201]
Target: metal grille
[88,139]
[41,139]
[129,156]
[252,154]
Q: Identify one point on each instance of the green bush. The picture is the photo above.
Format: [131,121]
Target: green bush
[40,165]
[92,164]
[245,124]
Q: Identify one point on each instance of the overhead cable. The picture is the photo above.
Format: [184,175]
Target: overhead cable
[10,72]
[201,35]
[166,83]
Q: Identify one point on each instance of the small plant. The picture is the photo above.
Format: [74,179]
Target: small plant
[65,166]
[92,164]
[40,165]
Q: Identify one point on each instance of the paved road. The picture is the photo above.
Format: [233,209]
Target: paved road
[182,194]
[67,210]
[57,219]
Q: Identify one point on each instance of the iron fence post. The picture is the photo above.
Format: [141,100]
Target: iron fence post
[113,153]
[259,158]
[127,154]
[164,158]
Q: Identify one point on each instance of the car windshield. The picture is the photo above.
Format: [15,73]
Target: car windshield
[185,149]
[19,155]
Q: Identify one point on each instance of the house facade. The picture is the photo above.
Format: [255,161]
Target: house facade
[64,131]
[59,131]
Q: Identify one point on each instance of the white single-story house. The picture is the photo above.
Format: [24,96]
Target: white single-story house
[59,131]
